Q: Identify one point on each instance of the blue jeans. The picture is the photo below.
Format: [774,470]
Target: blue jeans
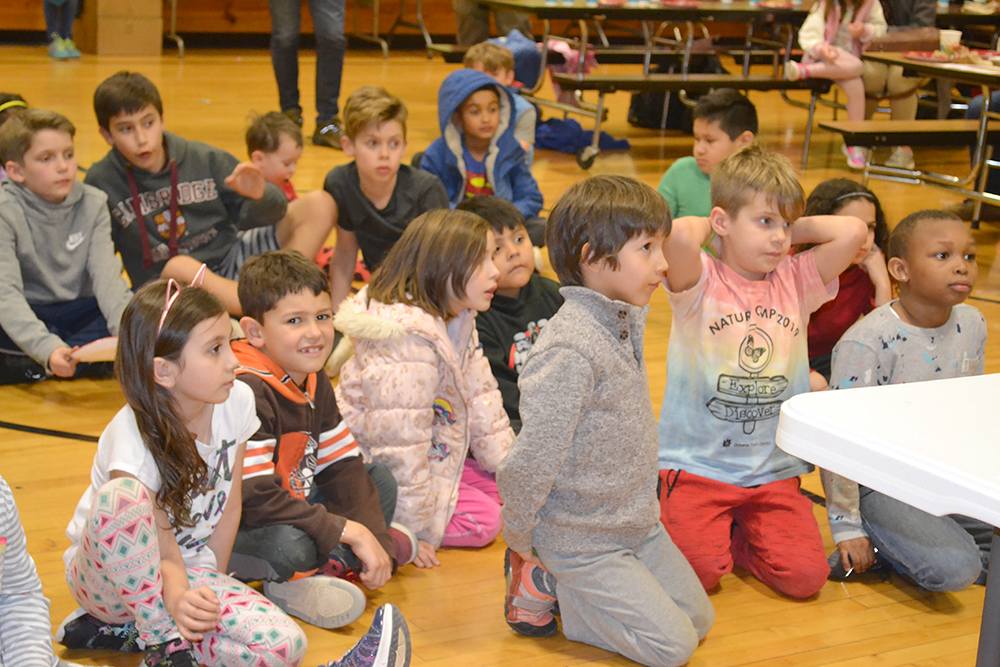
[77,322]
[59,18]
[275,553]
[939,553]
[328,27]
[974,111]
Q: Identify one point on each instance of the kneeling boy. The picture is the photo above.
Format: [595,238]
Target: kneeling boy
[308,500]
[579,482]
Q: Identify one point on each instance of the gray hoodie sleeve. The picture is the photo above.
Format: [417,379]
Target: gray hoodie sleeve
[17,318]
[105,268]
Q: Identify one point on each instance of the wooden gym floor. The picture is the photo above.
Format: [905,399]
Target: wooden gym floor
[455,612]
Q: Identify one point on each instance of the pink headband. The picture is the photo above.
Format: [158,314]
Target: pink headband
[172,284]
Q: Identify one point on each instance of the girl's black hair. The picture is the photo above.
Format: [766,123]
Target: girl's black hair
[832,195]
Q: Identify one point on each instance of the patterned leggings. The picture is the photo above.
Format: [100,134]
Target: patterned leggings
[115,576]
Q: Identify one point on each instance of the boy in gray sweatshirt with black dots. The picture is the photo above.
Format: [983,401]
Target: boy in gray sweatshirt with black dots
[581,515]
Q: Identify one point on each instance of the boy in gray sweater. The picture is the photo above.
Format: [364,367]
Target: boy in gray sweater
[581,516]
[61,283]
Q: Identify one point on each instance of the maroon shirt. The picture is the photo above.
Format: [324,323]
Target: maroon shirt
[855,299]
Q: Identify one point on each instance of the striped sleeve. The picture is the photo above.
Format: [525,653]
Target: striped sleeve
[334,445]
[25,627]
[259,458]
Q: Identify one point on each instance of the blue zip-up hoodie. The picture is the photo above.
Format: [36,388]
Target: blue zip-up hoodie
[506,171]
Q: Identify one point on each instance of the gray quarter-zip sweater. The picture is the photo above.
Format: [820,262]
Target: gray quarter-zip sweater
[581,475]
[52,253]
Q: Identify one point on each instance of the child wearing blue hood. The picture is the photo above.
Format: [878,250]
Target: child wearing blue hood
[477,153]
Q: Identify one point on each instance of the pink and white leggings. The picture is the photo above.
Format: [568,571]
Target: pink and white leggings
[115,577]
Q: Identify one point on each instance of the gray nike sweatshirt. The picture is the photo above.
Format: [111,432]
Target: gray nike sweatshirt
[52,253]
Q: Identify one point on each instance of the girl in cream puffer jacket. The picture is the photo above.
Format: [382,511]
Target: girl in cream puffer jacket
[419,396]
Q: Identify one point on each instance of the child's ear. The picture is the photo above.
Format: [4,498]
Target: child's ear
[15,171]
[744,140]
[106,135]
[347,146]
[252,330]
[594,266]
[257,157]
[898,269]
[165,372]
[720,221]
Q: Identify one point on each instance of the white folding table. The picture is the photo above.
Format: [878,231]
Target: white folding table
[933,445]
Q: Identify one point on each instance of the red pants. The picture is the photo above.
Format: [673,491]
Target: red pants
[769,530]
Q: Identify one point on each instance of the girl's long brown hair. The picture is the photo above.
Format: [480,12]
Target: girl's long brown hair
[438,250]
[844,6]
[182,470]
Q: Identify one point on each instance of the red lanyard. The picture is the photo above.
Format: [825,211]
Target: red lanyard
[172,244]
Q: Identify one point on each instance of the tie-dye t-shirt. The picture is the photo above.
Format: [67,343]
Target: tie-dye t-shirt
[737,352]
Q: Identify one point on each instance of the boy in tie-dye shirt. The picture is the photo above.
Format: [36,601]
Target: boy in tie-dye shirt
[737,351]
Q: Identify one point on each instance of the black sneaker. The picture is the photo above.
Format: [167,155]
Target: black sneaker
[328,133]
[176,653]
[81,630]
[295,113]
[18,368]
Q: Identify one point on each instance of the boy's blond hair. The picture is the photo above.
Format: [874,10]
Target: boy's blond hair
[755,171]
[264,132]
[369,104]
[17,133]
[492,57]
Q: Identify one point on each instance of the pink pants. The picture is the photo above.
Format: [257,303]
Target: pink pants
[476,521]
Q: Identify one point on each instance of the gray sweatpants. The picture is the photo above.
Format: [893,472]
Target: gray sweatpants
[644,603]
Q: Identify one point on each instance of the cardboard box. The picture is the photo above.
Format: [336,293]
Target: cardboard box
[121,28]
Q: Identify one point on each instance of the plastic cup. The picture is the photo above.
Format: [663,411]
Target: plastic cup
[950,37]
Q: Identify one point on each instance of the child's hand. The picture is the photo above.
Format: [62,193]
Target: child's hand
[376,562]
[426,555]
[857,29]
[857,553]
[196,612]
[62,363]
[248,180]
[827,52]
[530,557]
[875,266]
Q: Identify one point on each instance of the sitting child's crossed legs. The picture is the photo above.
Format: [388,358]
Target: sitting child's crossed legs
[115,576]
[769,530]
[645,604]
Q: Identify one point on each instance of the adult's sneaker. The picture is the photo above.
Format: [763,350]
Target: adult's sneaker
[328,133]
[531,597]
[325,602]
[901,158]
[386,644]
[81,630]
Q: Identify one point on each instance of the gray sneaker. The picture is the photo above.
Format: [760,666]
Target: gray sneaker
[323,601]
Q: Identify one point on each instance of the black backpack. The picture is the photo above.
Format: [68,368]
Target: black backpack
[646,109]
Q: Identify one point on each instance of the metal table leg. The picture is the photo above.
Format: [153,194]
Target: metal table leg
[374,36]
[173,29]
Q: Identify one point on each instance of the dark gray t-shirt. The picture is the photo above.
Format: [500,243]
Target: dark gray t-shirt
[377,230]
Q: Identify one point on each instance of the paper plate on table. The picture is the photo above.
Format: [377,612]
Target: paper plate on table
[102,349]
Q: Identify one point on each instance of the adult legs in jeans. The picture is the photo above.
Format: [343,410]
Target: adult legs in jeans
[473,21]
[286,26]
[59,18]
[973,112]
[644,603]
[935,552]
[328,26]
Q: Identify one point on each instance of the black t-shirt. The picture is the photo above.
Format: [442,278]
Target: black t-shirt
[376,230]
[508,330]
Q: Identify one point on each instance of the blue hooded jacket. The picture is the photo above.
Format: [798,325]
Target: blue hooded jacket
[506,171]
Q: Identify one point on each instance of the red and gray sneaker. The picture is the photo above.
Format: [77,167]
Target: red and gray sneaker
[531,597]
[404,542]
